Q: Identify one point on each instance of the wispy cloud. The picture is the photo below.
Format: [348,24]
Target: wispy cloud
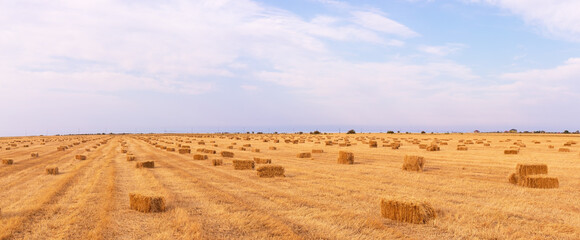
[443,50]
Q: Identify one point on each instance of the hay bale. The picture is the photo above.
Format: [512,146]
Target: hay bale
[407,211]
[170,149]
[511,151]
[461,148]
[345,157]
[270,171]
[304,155]
[433,147]
[564,150]
[395,145]
[61,148]
[227,154]
[317,151]
[52,170]
[373,144]
[149,164]
[130,157]
[539,181]
[199,157]
[272,148]
[146,204]
[34,155]
[80,157]
[243,164]
[209,151]
[531,169]
[413,163]
[217,162]
[184,151]
[262,160]
[7,161]
[123,150]
[256,150]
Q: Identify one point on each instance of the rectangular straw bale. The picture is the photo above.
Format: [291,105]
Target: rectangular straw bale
[531,169]
[373,144]
[227,154]
[149,164]
[407,211]
[256,150]
[511,151]
[395,145]
[262,160]
[52,170]
[514,178]
[217,162]
[269,171]
[184,151]
[461,148]
[34,155]
[210,151]
[317,151]
[413,163]
[345,157]
[80,157]
[199,157]
[7,161]
[272,148]
[243,164]
[304,155]
[539,181]
[146,204]
[433,147]
[564,150]
[130,157]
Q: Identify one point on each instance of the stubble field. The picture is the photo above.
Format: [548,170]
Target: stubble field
[317,199]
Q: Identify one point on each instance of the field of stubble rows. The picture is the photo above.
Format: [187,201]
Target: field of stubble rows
[317,198]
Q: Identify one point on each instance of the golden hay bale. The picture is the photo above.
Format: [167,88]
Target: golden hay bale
[262,160]
[317,151]
[243,164]
[123,150]
[413,163]
[422,146]
[550,146]
[461,148]
[80,157]
[52,170]
[395,145]
[230,147]
[209,151]
[87,149]
[130,157]
[217,162]
[511,151]
[531,169]
[170,149]
[433,147]
[564,150]
[200,150]
[539,181]
[328,143]
[270,171]
[184,150]
[272,148]
[256,150]
[345,157]
[61,148]
[373,144]
[227,154]
[304,155]
[199,157]
[7,161]
[34,155]
[149,164]
[146,204]
[407,211]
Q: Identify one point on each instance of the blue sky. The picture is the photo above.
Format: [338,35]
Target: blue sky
[244,65]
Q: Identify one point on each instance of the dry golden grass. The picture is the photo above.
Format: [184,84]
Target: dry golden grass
[317,199]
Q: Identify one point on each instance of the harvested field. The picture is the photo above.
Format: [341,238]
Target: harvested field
[467,191]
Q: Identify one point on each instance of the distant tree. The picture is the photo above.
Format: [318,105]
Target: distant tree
[422,132]
[300,132]
[351,131]
[390,132]
[566,131]
[315,132]
[513,130]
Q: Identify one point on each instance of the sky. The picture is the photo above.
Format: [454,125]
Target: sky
[69,67]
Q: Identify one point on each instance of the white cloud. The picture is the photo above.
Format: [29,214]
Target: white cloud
[556,18]
[249,87]
[380,23]
[444,50]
